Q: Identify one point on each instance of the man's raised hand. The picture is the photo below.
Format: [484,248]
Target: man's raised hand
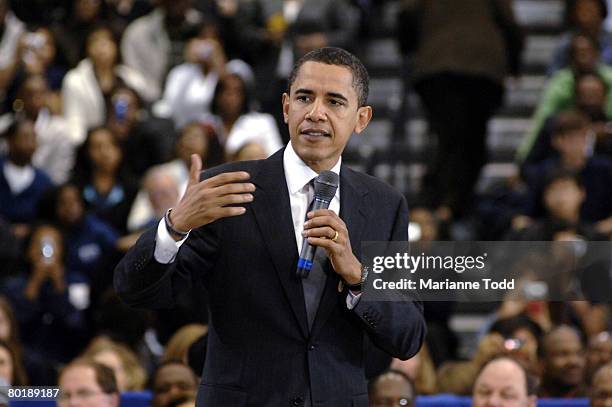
[206,201]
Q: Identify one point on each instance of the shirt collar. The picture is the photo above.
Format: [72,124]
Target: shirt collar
[297,173]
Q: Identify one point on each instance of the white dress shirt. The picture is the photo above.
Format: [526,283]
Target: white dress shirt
[298,176]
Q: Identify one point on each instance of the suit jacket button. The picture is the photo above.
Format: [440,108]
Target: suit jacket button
[298,401]
[312,347]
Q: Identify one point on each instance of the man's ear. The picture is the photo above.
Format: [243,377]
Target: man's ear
[364,115]
[285,102]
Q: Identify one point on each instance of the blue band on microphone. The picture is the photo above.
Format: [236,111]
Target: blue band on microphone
[304,264]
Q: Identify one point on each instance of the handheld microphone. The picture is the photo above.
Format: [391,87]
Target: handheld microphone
[325,186]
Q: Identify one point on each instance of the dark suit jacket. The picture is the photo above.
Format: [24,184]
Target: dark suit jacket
[260,351]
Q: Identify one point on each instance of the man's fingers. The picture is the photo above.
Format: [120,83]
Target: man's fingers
[327,244]
[227,178]
[325,232]
[320,221]
[227,212]
[235,188]
[322,212]
[196,169]
[233,199]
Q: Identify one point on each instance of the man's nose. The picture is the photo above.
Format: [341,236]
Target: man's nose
[175,390]
[317,111]
[494,400]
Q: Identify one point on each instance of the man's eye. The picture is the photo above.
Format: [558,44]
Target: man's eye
[336,102]
[303,98]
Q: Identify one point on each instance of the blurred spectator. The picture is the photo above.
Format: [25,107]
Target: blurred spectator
[86,383]
[591,99]
[162,190]
[420,369]
[90,243]
[172,379]
[106,187]
[459,47]
[391,388]
[428,228]
[154,43]
[193,139]
[584,17]
[236,123]
[129,373]
[87,89]
[48,303]
[178,346]
[249,151]
[572,141]
[54,152]
[189,87]
[563,364]
[146,140]
[37,55]
[9,331]
[560,92]
[562,197]
[37,372]
[504,382]
[71,31]
[598,354]
[600,393]
[11,29]
[21,184]
[522,337]
[40,57]
[458,377]
[273,34]
[11,367]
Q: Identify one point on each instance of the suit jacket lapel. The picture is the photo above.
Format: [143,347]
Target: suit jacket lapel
[353,212]
[272,211]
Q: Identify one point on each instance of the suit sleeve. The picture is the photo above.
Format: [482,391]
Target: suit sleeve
[397,327]
[140,281]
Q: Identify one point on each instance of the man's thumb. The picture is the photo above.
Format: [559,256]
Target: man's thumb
[196,168]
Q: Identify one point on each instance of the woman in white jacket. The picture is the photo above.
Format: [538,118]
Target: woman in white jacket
[86,88]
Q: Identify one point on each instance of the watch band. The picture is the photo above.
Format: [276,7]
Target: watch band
[170,227]
[360,284]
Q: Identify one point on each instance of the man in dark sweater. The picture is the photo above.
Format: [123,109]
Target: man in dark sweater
[21,184]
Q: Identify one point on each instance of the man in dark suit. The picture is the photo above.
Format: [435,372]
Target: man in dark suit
[276,339]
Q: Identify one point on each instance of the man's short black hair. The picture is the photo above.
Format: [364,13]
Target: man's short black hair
[340,57]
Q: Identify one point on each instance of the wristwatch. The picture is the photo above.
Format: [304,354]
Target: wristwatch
[359,285]
[170,227]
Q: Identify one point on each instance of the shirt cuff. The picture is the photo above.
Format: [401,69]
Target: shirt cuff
[166,247]
[352,300]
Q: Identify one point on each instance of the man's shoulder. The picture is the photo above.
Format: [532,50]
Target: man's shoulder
[373,185]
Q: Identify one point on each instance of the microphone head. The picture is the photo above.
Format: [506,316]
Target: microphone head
[325,185]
